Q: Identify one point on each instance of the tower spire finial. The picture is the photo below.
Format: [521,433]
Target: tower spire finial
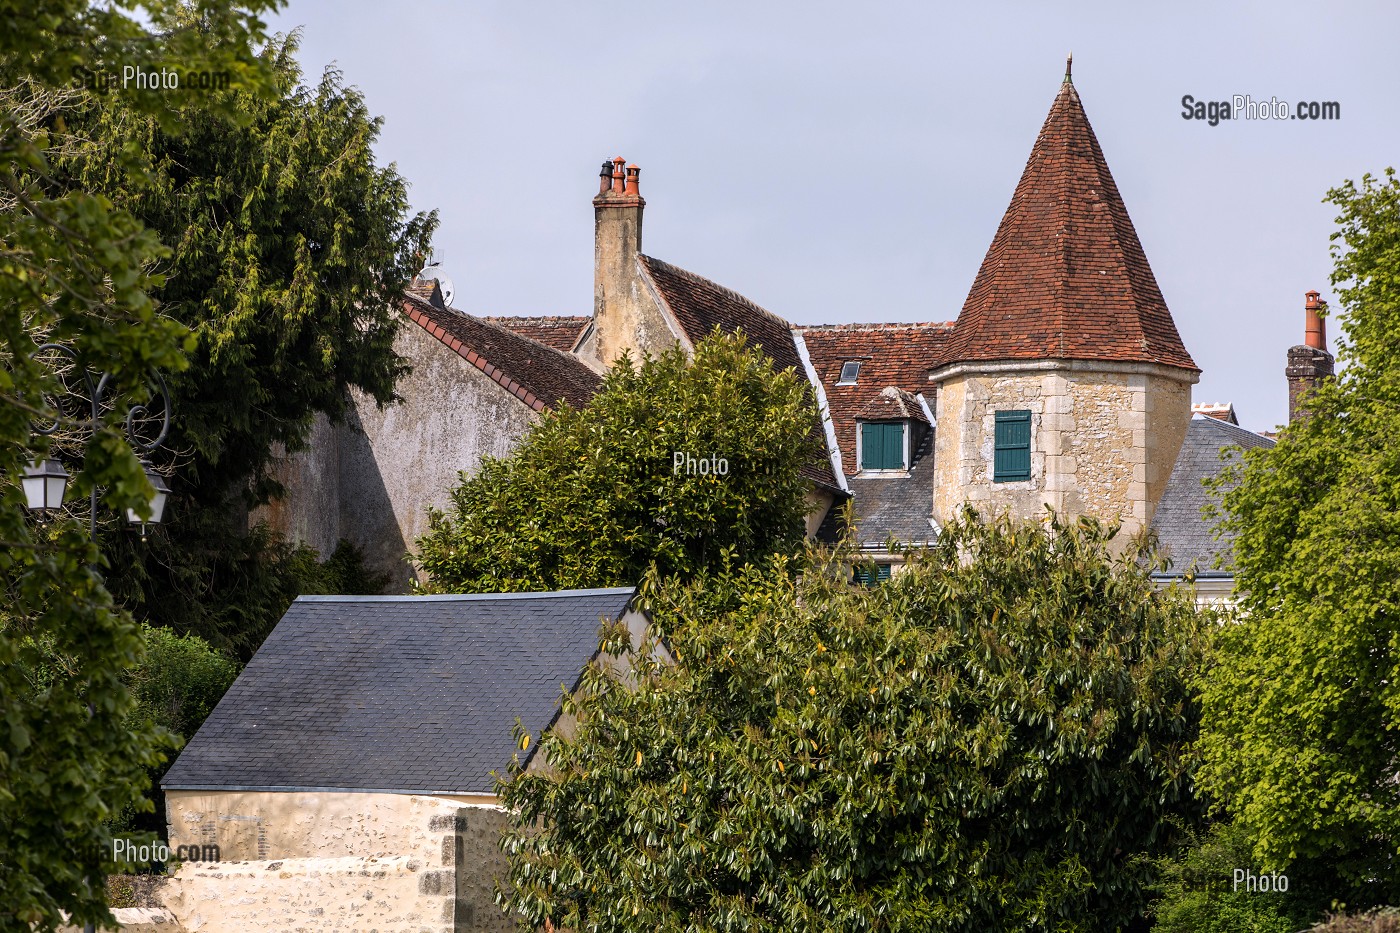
[1069,68]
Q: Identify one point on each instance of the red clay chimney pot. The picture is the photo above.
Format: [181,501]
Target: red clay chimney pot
[617,174]
[632,188]
[1315,329]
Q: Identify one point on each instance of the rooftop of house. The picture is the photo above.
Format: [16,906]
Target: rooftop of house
[396,694]
[558,331]
[1221,411]
[701,307]
[1181,529]
[539,375]
[898,355]
[1066,276]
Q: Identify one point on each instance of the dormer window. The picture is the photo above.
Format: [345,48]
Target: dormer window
[849,371]
[884,445]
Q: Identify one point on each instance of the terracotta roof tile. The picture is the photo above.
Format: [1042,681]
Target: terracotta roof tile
[701,305]
[893,404]
[538,375]
[1065,276]
[890,355]
[559,332]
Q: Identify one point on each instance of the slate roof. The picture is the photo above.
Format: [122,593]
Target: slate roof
[557,331]
[700,305]
[1181,530]
[890,355]
[405,694]
[887,507]
[1066,276]
[539,375]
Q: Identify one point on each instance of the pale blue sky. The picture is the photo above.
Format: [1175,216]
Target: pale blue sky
[844,162]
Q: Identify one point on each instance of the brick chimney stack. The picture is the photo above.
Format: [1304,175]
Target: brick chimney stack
[1308,363]
[617,240]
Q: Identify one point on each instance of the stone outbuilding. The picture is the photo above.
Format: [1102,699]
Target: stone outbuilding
[347,778]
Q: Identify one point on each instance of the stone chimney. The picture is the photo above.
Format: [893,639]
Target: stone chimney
[1308,363]
[617,240]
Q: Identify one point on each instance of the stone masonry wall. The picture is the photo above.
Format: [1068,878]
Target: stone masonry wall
[397,894]
[1102,443]
[398,461]
[336,861]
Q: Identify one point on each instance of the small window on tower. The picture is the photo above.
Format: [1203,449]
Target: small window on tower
[849,371]
[1012,447]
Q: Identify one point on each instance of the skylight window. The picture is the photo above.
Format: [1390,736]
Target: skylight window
[849,371]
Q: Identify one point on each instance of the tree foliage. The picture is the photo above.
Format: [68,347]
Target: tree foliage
[289,252]
[77,270]
[995,739]
[1200,892]
[592,497]
[1302,716]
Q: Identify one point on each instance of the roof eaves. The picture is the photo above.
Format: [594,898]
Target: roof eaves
[828,426]
[466,597]
[423,320]
[666,310]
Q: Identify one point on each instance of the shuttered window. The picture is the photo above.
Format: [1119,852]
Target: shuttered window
[870,576]
[1012,454]
[882,445]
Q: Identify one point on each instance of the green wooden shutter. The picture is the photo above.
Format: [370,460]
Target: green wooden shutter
[866,577]
[1012,451]
[882,445]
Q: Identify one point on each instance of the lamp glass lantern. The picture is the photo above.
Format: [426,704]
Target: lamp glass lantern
[44,484]
[157,500]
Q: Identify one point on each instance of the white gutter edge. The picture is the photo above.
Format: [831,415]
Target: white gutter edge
[928,413]
[831,446]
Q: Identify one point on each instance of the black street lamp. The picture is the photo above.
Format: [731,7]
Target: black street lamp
[46,481]
[44,484]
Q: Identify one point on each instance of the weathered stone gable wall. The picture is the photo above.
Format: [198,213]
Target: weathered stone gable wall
[1102,443]
[371,479]
[628,315]
[398,461]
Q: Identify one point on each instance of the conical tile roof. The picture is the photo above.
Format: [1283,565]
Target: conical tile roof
[1065,276]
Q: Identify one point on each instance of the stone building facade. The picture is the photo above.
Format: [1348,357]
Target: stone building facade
[1064,328]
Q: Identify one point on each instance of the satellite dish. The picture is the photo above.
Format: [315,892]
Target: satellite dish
[432,269]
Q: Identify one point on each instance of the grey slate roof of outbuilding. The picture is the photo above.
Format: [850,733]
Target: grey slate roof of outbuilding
[1180,527]
[406,694]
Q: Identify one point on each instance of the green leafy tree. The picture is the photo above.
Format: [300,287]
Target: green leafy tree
[1201,893]
[76,270]
[1301,731]
[592,497]
[289,252]
[996,739]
